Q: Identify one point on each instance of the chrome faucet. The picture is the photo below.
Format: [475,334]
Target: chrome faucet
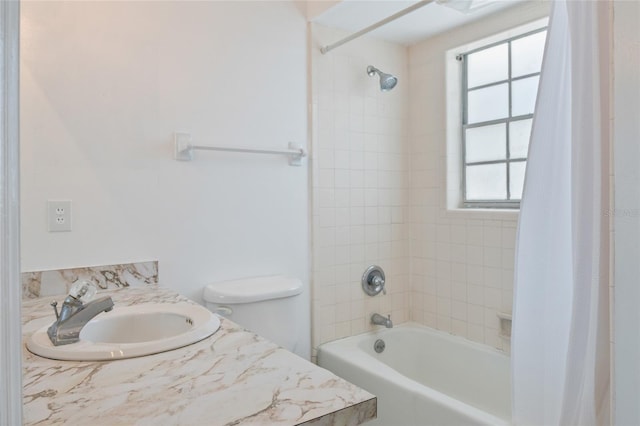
[378,319]
[74,315]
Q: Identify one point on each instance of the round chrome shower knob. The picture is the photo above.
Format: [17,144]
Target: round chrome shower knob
[373,280]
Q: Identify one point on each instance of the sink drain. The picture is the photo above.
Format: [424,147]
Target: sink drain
[379,346]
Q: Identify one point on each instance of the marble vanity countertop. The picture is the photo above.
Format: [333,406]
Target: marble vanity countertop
[231,378]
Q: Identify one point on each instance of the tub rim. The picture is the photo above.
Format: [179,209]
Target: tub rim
[353,354]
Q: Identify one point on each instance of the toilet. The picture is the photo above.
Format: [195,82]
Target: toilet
[272,307]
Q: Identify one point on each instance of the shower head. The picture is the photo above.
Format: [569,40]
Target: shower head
[387,81]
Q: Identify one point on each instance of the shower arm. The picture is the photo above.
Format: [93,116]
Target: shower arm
[378,24]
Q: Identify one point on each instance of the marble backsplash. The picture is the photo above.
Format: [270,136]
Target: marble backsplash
[107,277]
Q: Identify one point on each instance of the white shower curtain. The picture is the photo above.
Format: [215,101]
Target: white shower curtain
[560,365]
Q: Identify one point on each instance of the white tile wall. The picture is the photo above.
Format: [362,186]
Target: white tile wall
[360,178]
[462,261]
[379,171]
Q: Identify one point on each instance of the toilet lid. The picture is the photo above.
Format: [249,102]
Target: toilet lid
[250,290]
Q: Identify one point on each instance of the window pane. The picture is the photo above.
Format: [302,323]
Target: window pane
[486,143]
[487,104]
[524,96]
[486,182]
[519,135]
[516,179]
[526,54]
[488,66]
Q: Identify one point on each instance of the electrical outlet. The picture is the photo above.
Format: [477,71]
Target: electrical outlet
[59,215]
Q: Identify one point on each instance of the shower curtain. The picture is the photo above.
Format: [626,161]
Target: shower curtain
[560,365]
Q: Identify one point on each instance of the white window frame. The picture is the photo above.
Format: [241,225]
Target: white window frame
[455,197]
[508,202]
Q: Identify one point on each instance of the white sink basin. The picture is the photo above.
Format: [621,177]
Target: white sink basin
[132,331]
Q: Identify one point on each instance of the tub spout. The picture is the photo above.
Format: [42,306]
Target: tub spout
[378,319]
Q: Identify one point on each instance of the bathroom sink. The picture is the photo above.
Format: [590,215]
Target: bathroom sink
[132,331]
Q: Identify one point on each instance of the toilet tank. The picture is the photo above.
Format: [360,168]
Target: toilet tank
[269,306]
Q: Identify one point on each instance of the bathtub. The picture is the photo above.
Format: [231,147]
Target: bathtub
[425,377]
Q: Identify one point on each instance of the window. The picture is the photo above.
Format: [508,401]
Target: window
[499,89]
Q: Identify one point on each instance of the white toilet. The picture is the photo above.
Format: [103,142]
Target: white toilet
[272,307]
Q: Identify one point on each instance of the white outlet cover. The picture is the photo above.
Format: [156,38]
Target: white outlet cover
[59,215]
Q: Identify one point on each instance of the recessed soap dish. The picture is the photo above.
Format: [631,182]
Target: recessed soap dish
[505,325]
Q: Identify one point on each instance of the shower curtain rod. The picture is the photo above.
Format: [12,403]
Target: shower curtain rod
[378,24]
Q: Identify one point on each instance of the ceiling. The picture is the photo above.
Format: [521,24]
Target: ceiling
[354,15]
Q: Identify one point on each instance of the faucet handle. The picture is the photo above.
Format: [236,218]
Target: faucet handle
[83,290]
[54,305]
[373,281]
[378,281]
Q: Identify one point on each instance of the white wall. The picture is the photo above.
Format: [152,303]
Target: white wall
[626,215]
[105,85]
[360,183]
[462,261]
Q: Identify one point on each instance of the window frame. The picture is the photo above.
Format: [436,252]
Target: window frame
[462,58]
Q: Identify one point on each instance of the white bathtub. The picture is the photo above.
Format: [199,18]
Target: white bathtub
[425,377]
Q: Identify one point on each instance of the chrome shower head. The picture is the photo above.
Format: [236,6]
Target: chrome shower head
[387,81]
